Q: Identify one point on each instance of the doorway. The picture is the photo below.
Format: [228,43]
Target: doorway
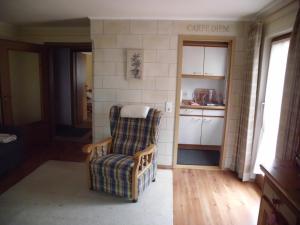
[71,73]
[83,84]
[24,94]
[203,76]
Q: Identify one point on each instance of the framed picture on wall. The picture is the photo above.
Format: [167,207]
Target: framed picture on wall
[135,64]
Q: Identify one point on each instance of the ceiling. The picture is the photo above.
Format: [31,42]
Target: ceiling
[41,11]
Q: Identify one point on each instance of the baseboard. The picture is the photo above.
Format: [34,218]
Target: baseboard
[165,167]
[196,167]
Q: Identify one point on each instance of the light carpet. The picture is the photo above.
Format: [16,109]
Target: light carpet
[56,194]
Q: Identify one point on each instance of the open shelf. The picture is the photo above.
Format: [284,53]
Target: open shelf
[201,76]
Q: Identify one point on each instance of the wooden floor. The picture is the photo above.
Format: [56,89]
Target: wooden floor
[213,198]
[200,197]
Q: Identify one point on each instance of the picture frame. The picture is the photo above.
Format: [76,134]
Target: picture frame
[135,64]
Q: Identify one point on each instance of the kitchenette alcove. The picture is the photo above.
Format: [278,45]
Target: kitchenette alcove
[204,67]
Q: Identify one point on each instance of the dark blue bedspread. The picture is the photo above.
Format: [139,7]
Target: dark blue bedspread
[11,154]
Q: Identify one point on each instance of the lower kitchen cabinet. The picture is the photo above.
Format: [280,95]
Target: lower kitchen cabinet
[212,131]
[198,130]
[190,130]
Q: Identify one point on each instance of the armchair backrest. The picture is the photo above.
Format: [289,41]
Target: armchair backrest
[130,135]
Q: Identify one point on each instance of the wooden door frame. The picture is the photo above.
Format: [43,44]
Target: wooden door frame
[5,46]
[75,117]
[231,47]
[74,47]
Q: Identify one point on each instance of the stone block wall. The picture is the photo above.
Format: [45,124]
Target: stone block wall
[159,39]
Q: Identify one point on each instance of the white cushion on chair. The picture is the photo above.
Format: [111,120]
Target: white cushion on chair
[135,111]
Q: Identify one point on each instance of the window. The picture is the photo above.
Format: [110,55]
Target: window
[272,104]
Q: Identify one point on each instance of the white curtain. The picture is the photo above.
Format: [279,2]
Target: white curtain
[246,127]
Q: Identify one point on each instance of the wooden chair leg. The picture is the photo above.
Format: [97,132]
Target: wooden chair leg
[134,189]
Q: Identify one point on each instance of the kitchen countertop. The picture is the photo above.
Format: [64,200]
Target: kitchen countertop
[215,107]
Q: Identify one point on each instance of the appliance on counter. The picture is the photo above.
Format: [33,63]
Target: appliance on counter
[207,97]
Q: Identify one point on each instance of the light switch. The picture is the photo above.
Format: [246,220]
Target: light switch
[168,107]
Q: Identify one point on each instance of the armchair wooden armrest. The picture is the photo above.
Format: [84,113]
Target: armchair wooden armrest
[98,149]
[101,148]
[142,161]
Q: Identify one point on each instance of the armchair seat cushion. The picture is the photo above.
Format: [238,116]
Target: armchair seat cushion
[113,166]
[112,173]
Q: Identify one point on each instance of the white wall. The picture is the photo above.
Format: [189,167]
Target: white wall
[280,22]
[45,33]
[8,31]
[41,34]
[159,39]
[25,87]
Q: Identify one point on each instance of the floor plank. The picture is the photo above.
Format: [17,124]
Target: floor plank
[213,198]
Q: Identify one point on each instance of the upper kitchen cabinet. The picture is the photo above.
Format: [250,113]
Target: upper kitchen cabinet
[206,60]
[192,60]
[215,61]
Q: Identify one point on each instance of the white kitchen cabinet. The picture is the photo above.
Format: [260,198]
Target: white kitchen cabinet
[209,61]
[190,130]
[212,131]
[192,60]
[213,113]
[198,130]
[192,112]
[215,61]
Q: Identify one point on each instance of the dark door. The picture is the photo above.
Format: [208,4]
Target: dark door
[24,88]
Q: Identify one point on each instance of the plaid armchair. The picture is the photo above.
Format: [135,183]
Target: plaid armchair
[125,164]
